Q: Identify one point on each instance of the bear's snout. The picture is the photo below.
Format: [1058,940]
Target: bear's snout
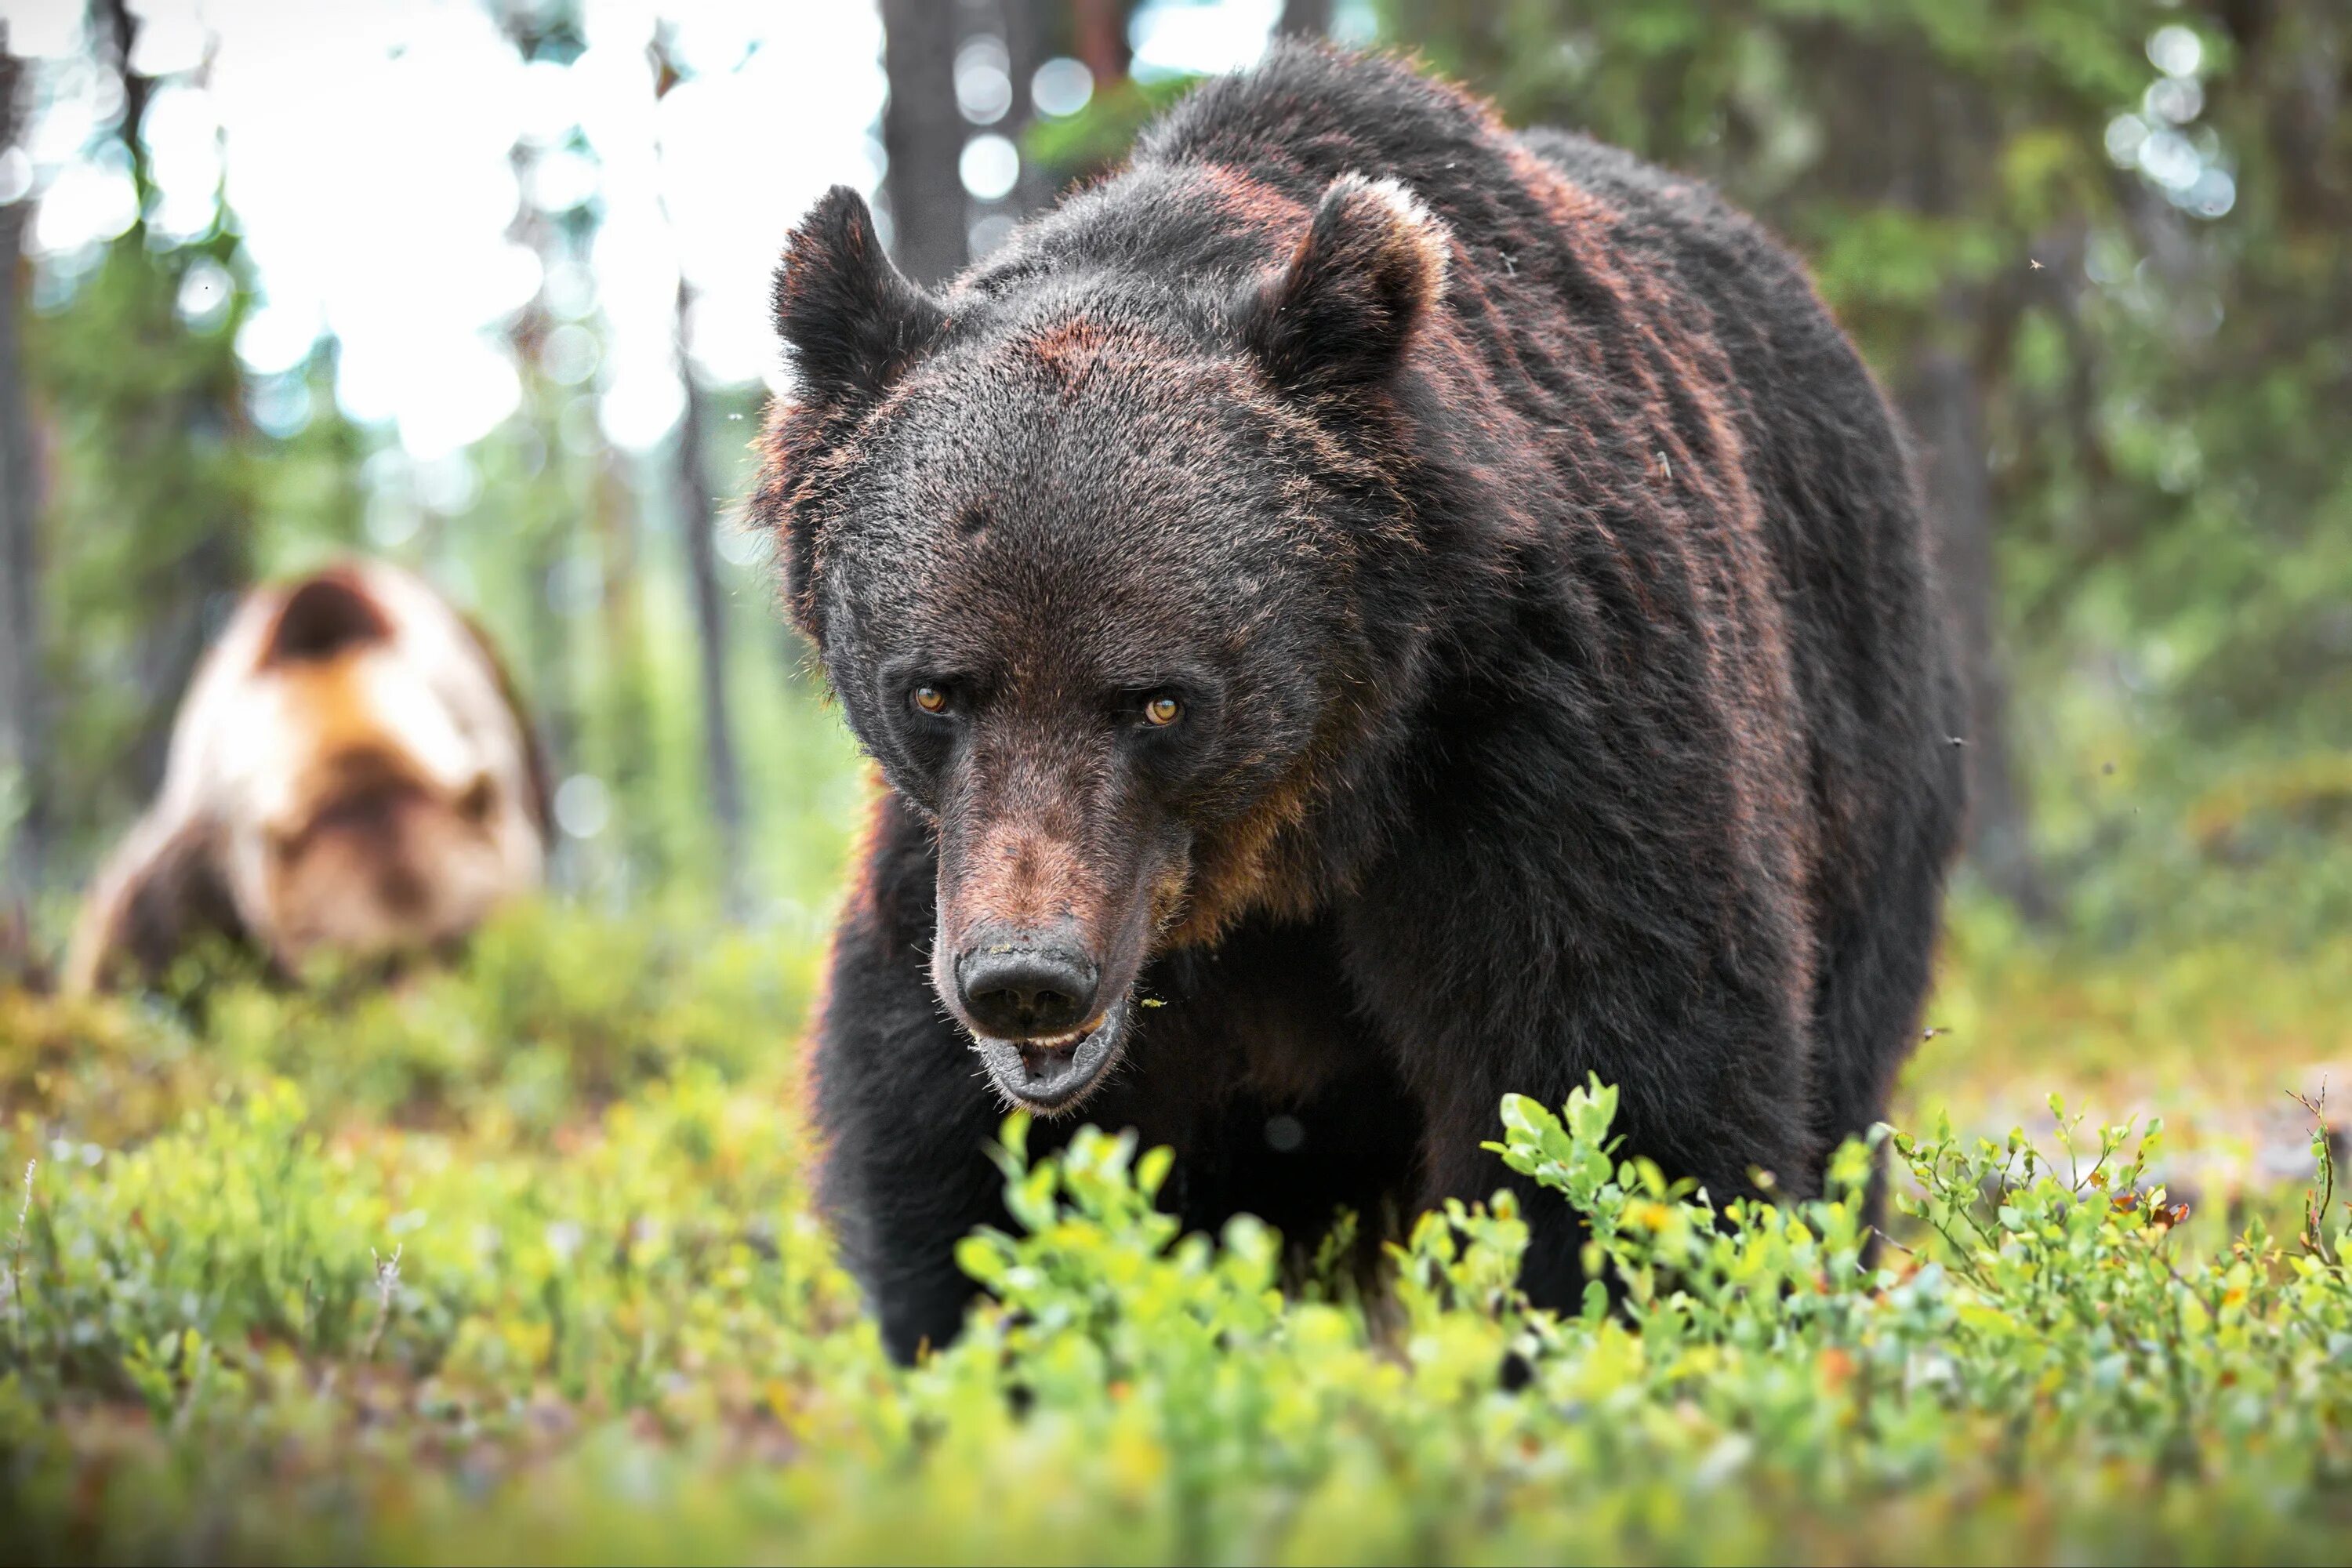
[1051,873]
[1046,1019]
[1026,990]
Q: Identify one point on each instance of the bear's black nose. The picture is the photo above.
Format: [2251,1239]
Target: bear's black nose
[1016,993]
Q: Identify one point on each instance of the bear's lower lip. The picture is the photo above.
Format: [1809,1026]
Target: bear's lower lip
[1053,1074]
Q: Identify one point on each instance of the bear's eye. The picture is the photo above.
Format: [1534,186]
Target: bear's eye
[1161,711]
[930,700]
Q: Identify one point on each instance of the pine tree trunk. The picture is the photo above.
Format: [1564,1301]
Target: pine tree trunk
[1303,20]
[696,517]
[549,527]
[636,852]
[22,700]
[922,134]
[1098,34]
[1027,44]
[1917,139]
[1945,407]
[211,563]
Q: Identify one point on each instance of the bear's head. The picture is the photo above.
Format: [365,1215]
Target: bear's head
[370,808]
[350,774]
[1087,567]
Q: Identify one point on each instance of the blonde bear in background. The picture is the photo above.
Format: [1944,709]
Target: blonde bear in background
[349,773]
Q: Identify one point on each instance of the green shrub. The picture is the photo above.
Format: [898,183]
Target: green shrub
[274,1332]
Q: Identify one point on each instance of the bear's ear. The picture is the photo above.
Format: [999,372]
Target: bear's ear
[850,320]
[324,615]
[1341,311]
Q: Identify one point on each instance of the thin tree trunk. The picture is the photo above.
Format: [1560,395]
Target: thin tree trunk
[1945,409]
[123,29]
[203,572]
[549,526]
[696,517]
[698,520]
[922,135]
[23,702]
[1303,20]
[1911,136]
[1026,42]
[638,855]
[1098,31]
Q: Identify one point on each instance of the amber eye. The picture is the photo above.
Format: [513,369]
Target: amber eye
[930,700]
[1162,711]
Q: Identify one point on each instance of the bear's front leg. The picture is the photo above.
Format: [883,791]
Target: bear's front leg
[906,1108]
[1488,973]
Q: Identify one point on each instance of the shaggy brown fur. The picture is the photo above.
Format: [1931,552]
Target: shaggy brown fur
[349,773]
[1534,579]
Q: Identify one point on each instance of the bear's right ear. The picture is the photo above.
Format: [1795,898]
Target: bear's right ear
[1339,312]
[850,320]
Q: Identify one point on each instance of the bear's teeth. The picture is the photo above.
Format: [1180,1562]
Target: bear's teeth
[1062,1042]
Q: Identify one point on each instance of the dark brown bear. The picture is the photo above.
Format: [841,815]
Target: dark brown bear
[1361,612]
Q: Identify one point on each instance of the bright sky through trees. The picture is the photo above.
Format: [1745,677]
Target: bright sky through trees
[367,149]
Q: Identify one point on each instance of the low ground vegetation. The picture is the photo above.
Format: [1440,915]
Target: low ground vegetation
[519,1261]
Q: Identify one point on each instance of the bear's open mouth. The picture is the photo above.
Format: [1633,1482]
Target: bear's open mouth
[1053,1074]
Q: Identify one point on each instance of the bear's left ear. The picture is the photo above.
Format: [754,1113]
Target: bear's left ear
[850,320]
[325,615]
[1341,311]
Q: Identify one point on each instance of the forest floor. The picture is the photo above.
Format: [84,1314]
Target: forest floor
[519,1261]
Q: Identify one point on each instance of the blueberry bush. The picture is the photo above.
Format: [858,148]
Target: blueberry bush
[519,1261]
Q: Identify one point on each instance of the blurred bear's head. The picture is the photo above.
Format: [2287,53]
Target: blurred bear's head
[350,774]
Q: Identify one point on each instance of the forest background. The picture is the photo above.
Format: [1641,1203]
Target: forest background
[2095,250]
[480,286]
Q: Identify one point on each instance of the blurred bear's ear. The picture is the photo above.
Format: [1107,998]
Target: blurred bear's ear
[850,320]
[324,616]
[1341,311]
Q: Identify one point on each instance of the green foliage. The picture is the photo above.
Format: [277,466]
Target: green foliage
[520,1261]
[554,1010]
[2163,389]
[2164,398]
[1099,134]
[153,502]
[163,499]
